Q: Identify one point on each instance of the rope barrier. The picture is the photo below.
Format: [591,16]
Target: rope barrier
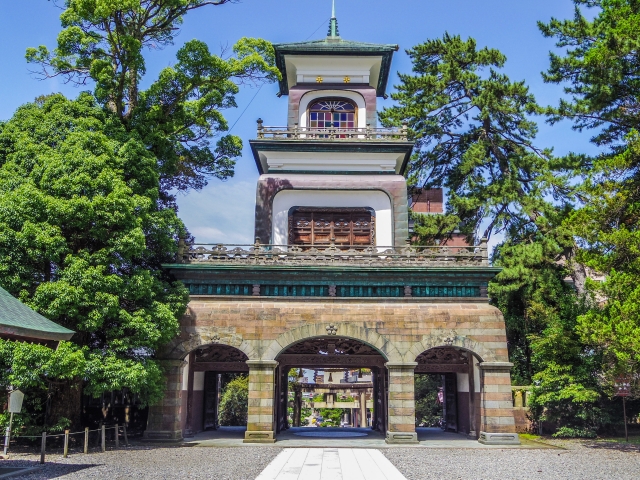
[62,434]
[102,438]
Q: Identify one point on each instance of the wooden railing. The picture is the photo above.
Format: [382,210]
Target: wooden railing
[316,255]
[348,134]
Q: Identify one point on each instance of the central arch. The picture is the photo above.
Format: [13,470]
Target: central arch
[368,336]
[352,385]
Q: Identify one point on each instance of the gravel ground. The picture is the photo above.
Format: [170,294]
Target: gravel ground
[242,463]
[575,462]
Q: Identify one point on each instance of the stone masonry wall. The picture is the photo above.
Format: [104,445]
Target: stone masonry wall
[401,329]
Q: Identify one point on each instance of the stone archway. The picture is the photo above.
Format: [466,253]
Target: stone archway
[455,366]
[341,356]
[367,336]
[191,373]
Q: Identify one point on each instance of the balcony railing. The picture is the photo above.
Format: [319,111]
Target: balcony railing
[348,134]
[323,255]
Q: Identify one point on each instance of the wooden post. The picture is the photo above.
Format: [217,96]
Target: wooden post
[117,436]
[65,452]
[86,440]
[102,438]
[124,432]
[624,411]
[472,397]
[7,434]
[43,446]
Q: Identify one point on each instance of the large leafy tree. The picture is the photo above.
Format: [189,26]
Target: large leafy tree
[87,213]
[474,137]
[82,237]
[600,69]
[103,42]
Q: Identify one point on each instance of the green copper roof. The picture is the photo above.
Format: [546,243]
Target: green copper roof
[18,320]
[336,46]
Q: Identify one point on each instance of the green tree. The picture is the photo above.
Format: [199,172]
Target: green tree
[600,69]
[40,373]
[474,137]
[234,402]
[87,187]
[177,118]
[428,410]
[83,236]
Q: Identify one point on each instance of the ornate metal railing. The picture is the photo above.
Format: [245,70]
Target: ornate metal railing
[304,133]
[316,255]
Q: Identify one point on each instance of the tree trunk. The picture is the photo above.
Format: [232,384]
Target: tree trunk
[66,401]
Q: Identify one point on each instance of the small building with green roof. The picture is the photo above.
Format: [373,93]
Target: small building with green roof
[19,322]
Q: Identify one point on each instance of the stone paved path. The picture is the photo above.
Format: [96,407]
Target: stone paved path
[330,464]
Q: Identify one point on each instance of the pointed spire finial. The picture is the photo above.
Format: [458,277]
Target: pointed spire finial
[333,24]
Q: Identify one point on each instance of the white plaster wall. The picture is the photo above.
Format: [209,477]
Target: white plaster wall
[334,161]
[185,374]
[463,382]
[198,381]
[333,68]
[476,376]
[358,99]
[375,199]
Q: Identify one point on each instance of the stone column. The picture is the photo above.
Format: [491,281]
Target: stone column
[163,423]
[260,421]
[497,423]
[402,407]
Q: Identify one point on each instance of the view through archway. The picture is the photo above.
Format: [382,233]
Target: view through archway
[446,392]
[330,387]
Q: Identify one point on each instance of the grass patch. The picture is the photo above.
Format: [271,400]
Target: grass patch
[633,439]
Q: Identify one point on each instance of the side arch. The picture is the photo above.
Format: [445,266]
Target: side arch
[202,337]
[343,330]
[448,339]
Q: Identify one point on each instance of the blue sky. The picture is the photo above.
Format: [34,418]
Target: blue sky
[223,211]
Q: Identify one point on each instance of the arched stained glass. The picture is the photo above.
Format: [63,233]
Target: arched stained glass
[332,113]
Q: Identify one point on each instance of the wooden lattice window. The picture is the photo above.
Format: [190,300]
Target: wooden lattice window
[345,227]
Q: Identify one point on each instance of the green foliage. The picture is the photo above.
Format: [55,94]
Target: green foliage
[474,137]
[428,410]
[332,416]
[82,237]
[234,402]
[431,228]
[568,432]
[600,69]
[31,369]
[178,117]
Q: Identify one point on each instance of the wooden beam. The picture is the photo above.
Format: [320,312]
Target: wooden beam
[441,368]
[322,361]
[234,367]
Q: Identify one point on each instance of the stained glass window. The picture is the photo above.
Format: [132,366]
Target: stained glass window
[332,114]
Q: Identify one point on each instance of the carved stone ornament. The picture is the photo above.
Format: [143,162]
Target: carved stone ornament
[443,355]
[332,329]
[220,353]
[370,255]
[331,346]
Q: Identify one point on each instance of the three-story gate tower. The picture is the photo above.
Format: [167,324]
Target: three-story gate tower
[332,280]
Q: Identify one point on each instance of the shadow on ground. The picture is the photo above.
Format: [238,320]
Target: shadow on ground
[18,468]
